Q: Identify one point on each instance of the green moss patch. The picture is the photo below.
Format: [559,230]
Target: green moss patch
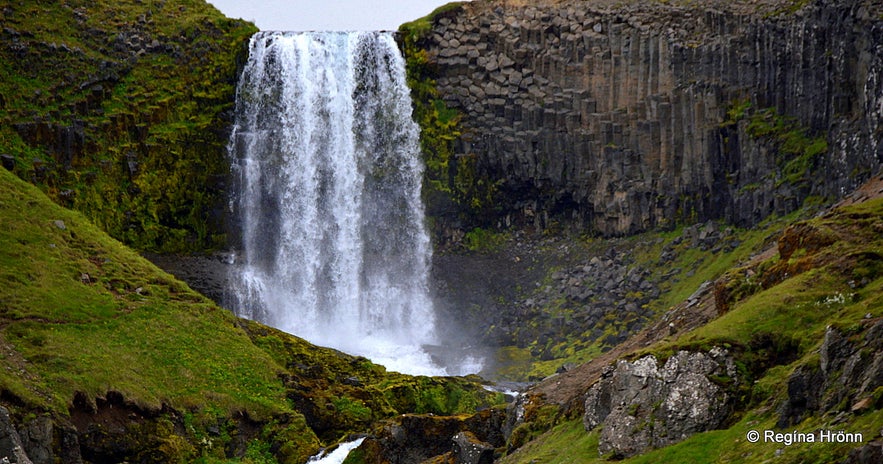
[121,110]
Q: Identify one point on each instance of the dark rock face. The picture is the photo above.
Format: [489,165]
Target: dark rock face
[850,370]
[867,454]
[206,274]
[643,406]
[616,119]
[37,438]
[468,449]
[417,438]
[8,161]
[11,448]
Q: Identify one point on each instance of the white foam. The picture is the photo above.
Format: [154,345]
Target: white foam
[338,455]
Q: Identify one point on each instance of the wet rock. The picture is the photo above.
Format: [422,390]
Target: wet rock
[415,438]
[206,274]
[8,161]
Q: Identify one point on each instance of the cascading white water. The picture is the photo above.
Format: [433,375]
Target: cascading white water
[327,180]
[338,455]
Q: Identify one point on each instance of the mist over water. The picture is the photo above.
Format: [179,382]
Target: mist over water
[327,175]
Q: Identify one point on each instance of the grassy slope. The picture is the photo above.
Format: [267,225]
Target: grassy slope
[677,280]
[87,314]
[816,286]
[82,314]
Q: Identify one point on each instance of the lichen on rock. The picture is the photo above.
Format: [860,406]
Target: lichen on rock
[644,406]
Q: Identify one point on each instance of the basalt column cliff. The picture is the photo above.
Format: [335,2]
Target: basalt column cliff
[619,118]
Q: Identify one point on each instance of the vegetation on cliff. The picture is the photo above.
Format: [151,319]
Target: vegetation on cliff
[121,110]
[453,185]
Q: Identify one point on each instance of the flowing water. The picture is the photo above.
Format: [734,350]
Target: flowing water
[330,224]
[338,455]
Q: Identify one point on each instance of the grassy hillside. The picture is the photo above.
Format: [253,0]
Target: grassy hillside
[85,323]
[120,109]
[774,311]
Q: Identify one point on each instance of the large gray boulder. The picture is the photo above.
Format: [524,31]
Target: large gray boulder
[642,406]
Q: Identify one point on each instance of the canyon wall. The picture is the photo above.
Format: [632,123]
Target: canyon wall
[620,118]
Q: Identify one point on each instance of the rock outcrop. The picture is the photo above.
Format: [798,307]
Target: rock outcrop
[848,378]
[414,438]
[94,108]
[644,406]
[622,117]
[11,447]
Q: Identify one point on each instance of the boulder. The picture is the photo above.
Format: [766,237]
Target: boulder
[468,449]
[8,161]
[644,406]
[37,438]
[414,438]
[872,453]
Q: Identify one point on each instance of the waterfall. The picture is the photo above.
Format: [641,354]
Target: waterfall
[325,157]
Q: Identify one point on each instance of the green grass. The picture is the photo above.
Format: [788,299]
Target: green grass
[803,306]
[711,266]
[82,315]
[806,302]
[566,443]
[842,287]
[569,443]
[418,28]
[88,315]
[484,240]
[695,266]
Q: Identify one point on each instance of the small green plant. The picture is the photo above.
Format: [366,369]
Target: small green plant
[798,150]
[454,177]
[483,240]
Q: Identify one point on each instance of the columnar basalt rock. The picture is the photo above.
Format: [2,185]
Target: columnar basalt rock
[615,118]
